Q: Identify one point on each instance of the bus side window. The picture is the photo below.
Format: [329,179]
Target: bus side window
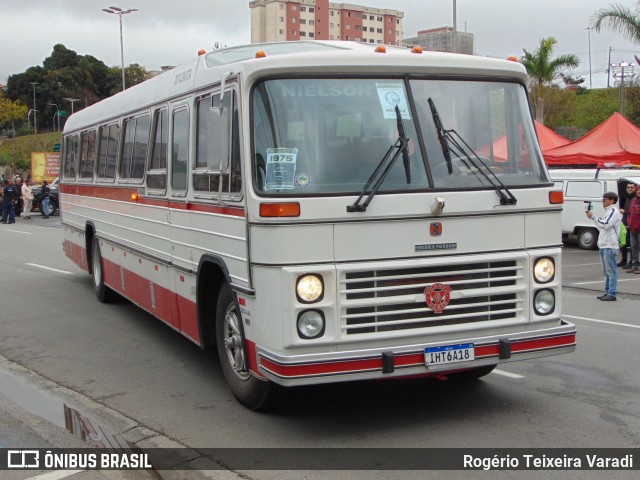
[180,151]
[157,171]
[108,151]
[71,157]
[87,154]
[134,149]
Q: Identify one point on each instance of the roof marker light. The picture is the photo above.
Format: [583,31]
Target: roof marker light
[201,52]
[261,54]
[381,49]
[416,49]
[512,58]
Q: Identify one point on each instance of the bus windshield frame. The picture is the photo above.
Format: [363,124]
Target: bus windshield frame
[317,136]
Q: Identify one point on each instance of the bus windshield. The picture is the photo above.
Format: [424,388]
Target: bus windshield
[314,136]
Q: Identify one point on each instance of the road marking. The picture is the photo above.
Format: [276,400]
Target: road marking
[507,374]
[603,321]
[18,231]
[49,268]
[602,281]
[58,475]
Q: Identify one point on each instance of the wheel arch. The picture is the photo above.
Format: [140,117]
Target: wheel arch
[212,274]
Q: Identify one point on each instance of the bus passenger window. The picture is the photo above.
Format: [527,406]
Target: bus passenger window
[71,158]
[108,151]
[134,150]
[87,154]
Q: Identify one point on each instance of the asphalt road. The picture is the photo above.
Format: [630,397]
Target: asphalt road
[140,380]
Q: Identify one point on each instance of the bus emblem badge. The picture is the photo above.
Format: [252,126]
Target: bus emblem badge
[437,296]
[435,229]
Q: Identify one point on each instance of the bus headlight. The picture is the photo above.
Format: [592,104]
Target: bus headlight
[544,270]
[310,324]
[309,288]
[544,302]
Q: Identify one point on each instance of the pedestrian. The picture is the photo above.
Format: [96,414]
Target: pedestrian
[18,199]
[27,196]
[624,249]
[633,234]
[8,196]
[44,198]
[608,243]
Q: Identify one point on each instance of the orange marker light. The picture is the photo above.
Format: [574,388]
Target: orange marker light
[201,52]
[134,197]
[381,49]
[556,197]
[280,209]
[416,49]
[261,54]
[512,58]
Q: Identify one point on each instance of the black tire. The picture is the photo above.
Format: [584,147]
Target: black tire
[53,208]
[250,391]
[471,374]
[588,238]
[103,293]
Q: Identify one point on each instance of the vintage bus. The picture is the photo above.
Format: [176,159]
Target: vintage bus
[324,212]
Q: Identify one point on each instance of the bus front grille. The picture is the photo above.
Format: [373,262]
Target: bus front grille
[394,299]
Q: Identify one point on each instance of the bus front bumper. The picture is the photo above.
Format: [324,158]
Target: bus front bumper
[407,361]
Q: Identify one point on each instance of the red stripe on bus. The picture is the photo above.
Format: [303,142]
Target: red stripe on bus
[124,194]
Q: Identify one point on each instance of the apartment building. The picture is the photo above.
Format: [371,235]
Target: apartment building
[443,39]
[282,20]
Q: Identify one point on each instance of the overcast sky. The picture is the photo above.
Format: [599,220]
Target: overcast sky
[170,32]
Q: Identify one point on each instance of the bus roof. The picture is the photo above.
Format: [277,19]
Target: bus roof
[312,57]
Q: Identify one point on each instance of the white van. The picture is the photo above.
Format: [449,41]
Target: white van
[581,186]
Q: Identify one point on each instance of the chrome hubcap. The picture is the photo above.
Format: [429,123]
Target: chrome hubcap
[233,343]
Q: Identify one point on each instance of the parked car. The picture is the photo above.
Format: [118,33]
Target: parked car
[54,195]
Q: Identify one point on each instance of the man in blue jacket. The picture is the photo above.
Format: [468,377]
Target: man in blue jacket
[9,194]
[608,243]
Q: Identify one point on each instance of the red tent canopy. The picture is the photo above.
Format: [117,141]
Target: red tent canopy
[547,137]
[613,143]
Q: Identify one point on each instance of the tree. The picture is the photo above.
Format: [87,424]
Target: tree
[619,19]
[10,113]
[543,70]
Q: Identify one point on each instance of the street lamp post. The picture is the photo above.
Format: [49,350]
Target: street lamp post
[589,39]
[72,100]
[35,123]
[120,12]
[57,114]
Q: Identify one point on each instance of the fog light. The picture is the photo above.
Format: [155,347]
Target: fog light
[310,324]
[544,270]
[544,302]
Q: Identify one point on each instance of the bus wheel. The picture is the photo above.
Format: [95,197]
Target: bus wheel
[588,238]
[471,374]
[250,391]
[104,293]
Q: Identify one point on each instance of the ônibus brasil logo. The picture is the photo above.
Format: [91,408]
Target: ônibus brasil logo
[437,296]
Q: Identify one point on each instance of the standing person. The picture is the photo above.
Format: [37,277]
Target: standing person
[633,218]
[18,200]
[608,243]
[44,198]
[631,193]
[8,196]
[27,196]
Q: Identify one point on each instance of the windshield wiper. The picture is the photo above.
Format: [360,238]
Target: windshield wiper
[452,140]
[384,167]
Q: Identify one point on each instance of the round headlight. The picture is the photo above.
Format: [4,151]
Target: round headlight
[544,302]
[544,270]
[311,324]
[309,288]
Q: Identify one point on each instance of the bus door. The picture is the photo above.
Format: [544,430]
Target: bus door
[178,214]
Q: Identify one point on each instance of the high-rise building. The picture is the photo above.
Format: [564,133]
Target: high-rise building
[281,20]
[442,39]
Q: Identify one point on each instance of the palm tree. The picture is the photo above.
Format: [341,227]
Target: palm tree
[543,69]
[619,19]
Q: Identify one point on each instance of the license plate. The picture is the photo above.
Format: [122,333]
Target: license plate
[462,352]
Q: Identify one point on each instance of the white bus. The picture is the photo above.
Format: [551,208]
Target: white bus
[324,212]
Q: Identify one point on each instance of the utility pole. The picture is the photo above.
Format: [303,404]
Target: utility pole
[609,68]
[589,36]
[621,70]
[35,118]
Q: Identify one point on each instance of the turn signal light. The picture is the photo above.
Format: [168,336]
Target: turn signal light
[280,209]
[134,197]
[556,197]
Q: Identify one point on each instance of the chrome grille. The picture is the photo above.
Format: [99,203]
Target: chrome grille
[394,299]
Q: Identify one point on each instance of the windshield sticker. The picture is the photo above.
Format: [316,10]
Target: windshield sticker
[303,180]
[390,95]
[281,168]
